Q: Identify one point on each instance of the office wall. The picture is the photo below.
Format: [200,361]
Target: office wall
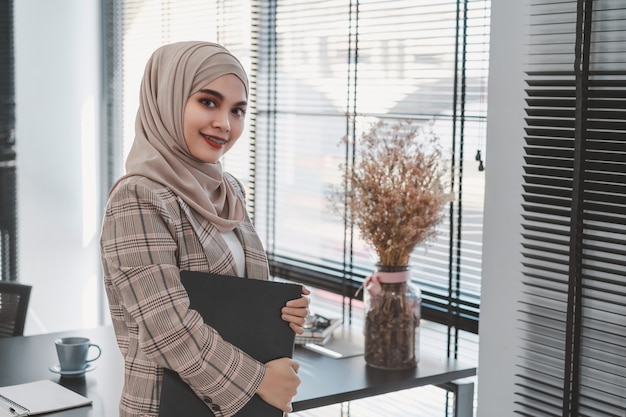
[57,74]
[502,232]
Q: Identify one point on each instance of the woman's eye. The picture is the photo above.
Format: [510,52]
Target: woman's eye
[207,102]
[239,112]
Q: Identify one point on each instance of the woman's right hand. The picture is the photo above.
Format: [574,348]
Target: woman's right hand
[280,383]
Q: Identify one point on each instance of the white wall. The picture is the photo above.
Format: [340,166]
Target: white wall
[57,72]
[502,232]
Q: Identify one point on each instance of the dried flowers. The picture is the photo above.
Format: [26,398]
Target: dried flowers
[396,189]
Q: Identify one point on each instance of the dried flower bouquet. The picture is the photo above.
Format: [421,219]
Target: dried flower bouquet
[394,195]
[396,190]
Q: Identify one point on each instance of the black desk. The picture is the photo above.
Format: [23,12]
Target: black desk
[26,359]
[325,380]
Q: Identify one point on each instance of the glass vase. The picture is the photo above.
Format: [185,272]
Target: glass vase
[392,317]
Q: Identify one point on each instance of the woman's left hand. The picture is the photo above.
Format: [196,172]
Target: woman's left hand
[295,311]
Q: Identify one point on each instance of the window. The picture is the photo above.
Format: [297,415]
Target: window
[574,211]
[319,71]
[326,69]
[133,29]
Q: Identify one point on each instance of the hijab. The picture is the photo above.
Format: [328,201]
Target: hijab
[173,73]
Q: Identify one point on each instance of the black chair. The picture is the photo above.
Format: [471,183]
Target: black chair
[14,300]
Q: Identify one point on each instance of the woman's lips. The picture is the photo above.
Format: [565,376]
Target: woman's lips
[215,142]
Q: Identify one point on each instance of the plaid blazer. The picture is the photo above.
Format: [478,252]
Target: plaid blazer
[148,236]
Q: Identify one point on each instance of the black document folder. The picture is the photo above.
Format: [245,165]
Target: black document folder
[246,313]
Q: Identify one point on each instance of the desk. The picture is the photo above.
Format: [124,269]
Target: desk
[27,358]
[325,380]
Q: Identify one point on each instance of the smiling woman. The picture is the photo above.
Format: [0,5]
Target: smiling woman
[176,210]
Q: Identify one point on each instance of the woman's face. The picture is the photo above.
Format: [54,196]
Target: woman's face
[214,118]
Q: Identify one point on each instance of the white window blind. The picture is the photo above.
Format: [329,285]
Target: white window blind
[134,29]
[325,70]
[574,305]
[319,71]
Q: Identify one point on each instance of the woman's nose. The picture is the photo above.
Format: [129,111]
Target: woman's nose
[221,121]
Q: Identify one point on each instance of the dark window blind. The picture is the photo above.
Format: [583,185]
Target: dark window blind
[325,70]
[8,165]
[573,308]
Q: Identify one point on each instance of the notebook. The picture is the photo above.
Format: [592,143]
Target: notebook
[38,397]
[246,312]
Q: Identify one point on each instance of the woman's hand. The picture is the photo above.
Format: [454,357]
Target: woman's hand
[295,311]
[280,383]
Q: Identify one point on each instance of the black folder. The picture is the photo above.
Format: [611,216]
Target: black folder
[246,313]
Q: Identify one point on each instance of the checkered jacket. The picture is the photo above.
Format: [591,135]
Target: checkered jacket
[148,236]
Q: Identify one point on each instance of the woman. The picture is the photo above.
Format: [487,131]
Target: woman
[175,209]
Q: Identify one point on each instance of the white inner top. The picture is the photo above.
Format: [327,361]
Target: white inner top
[237,250]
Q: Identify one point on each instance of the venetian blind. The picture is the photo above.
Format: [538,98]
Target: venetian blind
[8,177]
[574,306]
[324,70]
[133,29]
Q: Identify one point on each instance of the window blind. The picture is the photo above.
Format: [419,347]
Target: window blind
[8,170]
[320,71]
[327,69]
[574,304]
[133,29]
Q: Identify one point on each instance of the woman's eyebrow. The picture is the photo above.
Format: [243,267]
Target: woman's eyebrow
[220,96]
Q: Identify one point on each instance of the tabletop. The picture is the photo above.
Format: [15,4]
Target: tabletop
[325,380]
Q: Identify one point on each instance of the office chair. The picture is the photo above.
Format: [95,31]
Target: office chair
[14,300]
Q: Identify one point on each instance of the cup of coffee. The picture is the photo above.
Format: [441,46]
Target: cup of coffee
[73,352]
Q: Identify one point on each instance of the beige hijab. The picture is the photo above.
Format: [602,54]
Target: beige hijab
[173,73]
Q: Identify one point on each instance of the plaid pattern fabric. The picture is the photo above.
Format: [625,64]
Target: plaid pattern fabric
[148,236]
